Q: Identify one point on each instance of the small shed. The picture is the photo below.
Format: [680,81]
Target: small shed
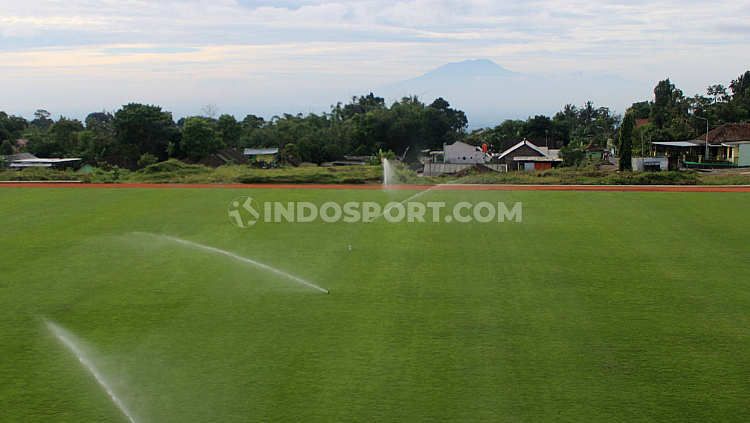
[650,164]
[26,160]
[262,155]
[678,152]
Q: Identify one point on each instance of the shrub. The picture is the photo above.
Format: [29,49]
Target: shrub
[6,148]
[147,159]
[173,165]
[572,156]
[655,178]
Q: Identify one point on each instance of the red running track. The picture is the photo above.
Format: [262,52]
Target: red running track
[444,187]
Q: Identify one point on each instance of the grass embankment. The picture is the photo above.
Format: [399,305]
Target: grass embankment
[178,172]
[584,176]
[742,178]
[174,171]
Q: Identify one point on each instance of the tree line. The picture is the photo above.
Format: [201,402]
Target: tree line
[139,134]
[669,116]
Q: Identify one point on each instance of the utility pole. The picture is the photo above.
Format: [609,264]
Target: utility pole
[643,154]
[706,119]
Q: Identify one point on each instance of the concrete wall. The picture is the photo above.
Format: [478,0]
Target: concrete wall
[744,155]
[497,167]
[638,163]
[437,169]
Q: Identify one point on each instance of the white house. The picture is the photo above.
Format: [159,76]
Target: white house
[462,153]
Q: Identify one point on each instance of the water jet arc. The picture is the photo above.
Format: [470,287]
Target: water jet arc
[243,260]
[67,340]
[388,173]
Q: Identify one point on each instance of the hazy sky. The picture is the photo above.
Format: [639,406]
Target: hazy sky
[262,57]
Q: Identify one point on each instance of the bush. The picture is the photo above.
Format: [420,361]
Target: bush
[572,156]
[655,178]
[173,165]
[106,176]
[42,174]
[584,176]
[6,148]
[147,159]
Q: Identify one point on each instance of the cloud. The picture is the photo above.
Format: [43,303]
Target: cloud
[367,42]
[213,22]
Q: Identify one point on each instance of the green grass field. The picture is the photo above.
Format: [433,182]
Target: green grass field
[598,307]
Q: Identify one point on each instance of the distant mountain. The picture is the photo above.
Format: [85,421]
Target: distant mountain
[490,93]
[480,68]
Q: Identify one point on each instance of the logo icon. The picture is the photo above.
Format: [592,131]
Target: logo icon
[242,213]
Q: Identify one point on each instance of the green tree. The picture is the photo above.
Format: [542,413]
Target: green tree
[537,129]
[641,109]
[251,135]
[64,134]
[718,92]
[664,94]
[626,142]
[141,129]
[199,138]
[11,127]
[147,160]
[507,134]
[42,119]
[642,137]
[358,106]
[98,120]
[572,155]
[229,130]
[97,143]
[252,122]
[6,148]
[290,154]
[669,111]
[741,86]
[444,124]
[42,145]
[740,100]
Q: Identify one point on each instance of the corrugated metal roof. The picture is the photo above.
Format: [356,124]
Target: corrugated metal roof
[536,159]
[46,161]
[20,165]
[519,145]
[728,132]
[20,156]
[677,144]
[260,151]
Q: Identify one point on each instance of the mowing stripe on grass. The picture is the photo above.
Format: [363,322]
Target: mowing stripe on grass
[239,258]
[417,195]
[67,340]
